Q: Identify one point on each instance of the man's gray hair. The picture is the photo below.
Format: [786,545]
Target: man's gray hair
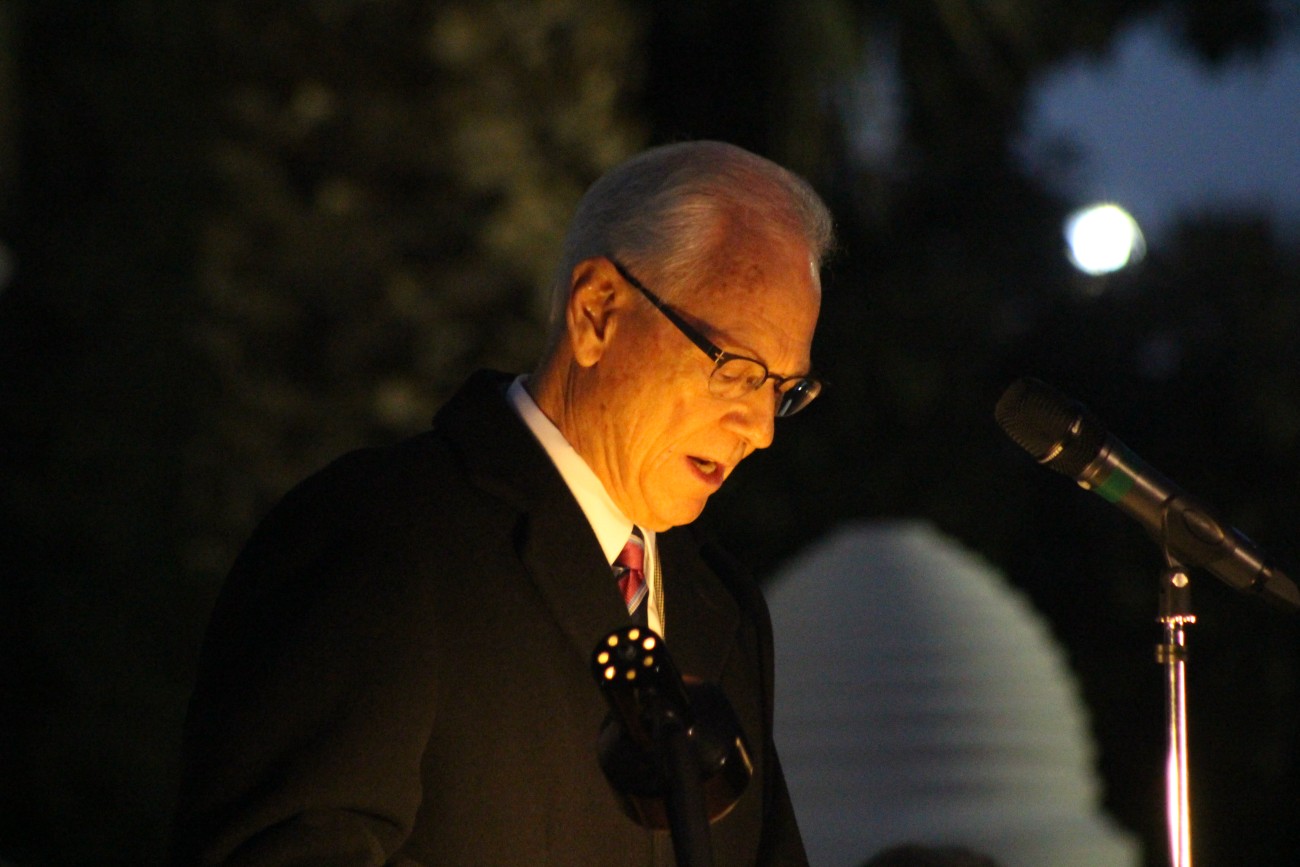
[665,212]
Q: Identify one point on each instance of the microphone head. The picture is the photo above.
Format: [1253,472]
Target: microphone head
[1058,432]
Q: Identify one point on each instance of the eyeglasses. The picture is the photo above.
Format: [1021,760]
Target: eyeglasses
[734,376]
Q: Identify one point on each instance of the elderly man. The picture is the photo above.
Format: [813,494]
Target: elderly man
[397,669]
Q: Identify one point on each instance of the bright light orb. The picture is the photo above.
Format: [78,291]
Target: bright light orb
[1103,238]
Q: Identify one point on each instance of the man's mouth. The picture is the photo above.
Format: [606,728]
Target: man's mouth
[710,470]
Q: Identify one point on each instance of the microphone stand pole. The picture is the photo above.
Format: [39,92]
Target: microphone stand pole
[684,799]
[673,751]
[1176,615]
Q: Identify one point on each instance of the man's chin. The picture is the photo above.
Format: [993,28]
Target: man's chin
[677,515]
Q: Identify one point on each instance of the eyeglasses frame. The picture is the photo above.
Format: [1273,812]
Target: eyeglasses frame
[715,353]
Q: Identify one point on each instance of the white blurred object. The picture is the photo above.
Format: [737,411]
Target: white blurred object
[920,698]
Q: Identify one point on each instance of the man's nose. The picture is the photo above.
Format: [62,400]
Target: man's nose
[753,417]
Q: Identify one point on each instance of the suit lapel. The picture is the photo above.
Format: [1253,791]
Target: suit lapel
[552,537]
[560,551]
[702,615]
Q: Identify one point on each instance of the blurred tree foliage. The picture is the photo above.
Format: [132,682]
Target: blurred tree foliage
[393,183]
[251,235]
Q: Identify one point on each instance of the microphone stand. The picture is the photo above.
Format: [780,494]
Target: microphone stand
[688,819]
[674,751]
[1176,615]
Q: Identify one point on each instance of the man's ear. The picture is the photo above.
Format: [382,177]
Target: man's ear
[591,314]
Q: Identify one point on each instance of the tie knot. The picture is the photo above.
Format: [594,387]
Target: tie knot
[633,554]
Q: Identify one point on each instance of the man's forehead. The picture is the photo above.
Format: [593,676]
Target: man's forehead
[757,267]
[763,318]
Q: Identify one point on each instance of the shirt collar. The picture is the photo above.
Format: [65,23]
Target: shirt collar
[607,521]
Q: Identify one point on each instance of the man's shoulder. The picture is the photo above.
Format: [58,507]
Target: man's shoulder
[384,472]
[412,480]
[361,499]
[428,464]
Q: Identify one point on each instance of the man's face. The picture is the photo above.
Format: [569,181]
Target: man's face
[652,432]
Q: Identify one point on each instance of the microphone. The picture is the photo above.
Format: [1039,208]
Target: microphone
[672,748]
[1064,436]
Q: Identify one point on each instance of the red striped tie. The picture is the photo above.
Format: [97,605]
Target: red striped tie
[629,568]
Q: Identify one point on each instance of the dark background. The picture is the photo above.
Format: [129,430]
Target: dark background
[243,236]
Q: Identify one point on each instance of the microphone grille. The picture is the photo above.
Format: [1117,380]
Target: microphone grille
[1056,431]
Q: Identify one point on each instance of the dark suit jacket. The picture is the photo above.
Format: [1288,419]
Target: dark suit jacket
[397,671]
